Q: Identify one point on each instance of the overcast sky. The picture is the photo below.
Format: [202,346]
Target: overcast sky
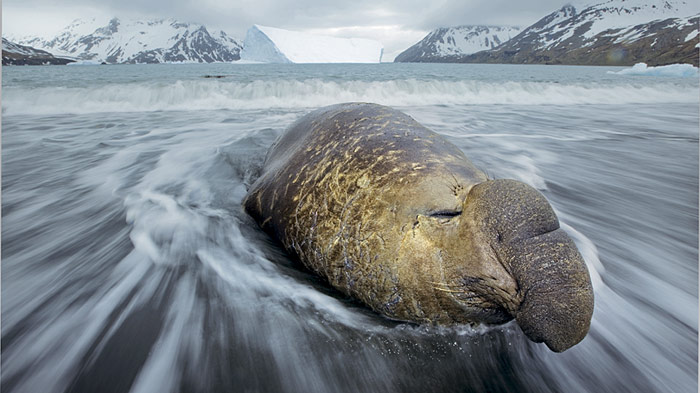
[396,24]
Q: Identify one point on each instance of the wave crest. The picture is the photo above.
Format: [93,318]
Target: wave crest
[264,94]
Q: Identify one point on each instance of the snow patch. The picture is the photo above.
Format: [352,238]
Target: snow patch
[465,40]
[564,14]
[11,47]
[616,14]
[632,34]
[673,70]
[273,45]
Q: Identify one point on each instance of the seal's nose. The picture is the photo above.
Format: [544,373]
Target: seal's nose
[557,305]
[553,281]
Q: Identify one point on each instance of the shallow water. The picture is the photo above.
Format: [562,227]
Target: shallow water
[128,264]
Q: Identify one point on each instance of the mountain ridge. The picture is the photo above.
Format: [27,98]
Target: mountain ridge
[453,42]
[14,54]
[613,32]
[138,41]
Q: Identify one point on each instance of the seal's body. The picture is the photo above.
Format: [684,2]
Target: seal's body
[391,213]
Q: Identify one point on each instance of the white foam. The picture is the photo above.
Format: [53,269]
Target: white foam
[209,94]
[162,373]
[170,212]
[673,70]
[589,252]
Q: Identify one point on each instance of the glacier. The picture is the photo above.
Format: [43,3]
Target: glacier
[272,45]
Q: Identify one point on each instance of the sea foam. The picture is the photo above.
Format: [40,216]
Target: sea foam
[208,94]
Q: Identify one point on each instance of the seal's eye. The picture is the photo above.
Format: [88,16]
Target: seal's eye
[445,214]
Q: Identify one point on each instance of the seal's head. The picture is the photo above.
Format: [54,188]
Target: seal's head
[500,254]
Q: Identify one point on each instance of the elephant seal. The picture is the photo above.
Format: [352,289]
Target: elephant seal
[392,214]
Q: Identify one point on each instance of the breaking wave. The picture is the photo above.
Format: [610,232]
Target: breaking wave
[218,94]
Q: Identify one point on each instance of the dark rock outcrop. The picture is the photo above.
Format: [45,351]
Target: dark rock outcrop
[14,54]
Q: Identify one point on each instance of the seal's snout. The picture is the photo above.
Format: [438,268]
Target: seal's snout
[557,303]
[554,284]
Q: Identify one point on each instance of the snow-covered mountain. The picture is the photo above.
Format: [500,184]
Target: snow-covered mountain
[567,27]
[13,54]
[616,14]
[454,42]
[611,32]
[138,41]
[273,45]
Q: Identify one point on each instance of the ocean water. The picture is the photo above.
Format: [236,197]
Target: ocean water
[128,264]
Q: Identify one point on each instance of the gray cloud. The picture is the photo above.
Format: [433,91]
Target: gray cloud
[493,12]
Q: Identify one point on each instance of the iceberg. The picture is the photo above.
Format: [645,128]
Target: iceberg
[673,70]
[273,45]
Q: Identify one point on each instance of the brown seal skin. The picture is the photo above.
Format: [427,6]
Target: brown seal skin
[392,214]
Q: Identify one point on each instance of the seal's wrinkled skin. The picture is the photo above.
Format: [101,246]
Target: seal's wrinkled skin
[391,213]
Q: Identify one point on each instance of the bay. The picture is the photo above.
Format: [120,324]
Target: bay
[129,265]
